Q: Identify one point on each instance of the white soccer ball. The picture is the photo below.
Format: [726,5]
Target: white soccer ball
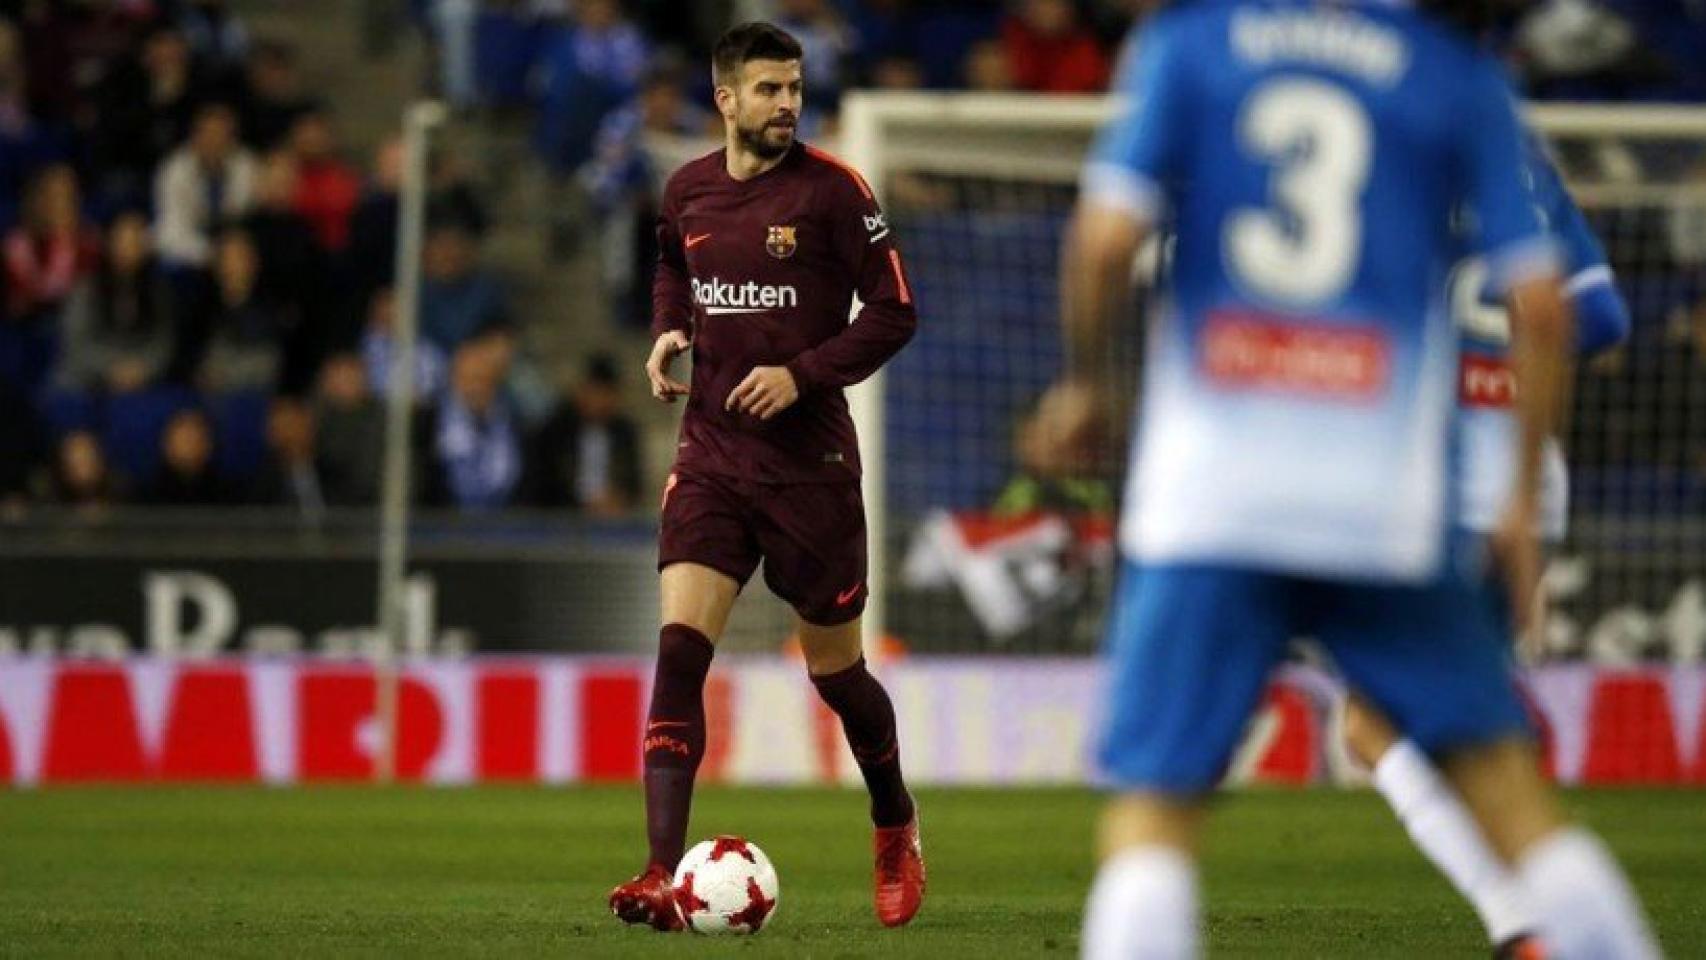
[726,885]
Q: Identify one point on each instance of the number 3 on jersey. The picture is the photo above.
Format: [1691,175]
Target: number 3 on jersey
[1304,249]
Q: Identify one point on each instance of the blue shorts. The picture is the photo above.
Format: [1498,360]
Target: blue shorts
[1190,649]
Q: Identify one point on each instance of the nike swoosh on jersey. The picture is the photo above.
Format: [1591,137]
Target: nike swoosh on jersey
[693,241]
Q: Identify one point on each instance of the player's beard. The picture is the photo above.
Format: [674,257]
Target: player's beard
[768,140]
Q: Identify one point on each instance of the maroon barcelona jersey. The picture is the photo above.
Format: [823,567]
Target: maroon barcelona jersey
[763,272]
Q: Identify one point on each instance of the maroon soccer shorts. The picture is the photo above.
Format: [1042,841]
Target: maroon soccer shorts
[810,536]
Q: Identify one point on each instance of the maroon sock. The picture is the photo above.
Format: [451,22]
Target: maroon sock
[675,738]
[867,717]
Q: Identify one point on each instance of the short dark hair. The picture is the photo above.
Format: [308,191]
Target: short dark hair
[747,42]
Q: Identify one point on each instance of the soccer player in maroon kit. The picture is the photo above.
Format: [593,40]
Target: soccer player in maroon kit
[764,244]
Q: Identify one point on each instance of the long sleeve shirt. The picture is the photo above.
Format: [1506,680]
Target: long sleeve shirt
[765,272]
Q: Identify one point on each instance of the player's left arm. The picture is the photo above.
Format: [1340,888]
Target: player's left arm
[1525,269]
[1602,316]
[885,322]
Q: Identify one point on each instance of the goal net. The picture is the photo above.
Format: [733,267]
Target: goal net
[982,546]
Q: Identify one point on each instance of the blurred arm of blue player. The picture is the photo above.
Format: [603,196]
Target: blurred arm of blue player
[1602,316]
[1095,280]
[1121,199]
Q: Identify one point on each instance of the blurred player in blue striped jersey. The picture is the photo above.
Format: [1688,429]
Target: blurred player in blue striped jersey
[1430,810]
[1294,472]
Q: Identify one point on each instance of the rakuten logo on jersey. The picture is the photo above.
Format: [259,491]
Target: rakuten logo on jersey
[719,297]
[1244,352]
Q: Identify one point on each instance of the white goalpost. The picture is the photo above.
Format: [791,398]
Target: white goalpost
[863,150]
[419,121]
[870,144]
[894,137]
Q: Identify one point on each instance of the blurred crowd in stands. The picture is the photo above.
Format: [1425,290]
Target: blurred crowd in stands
[196,302]
[576,61]
[597,80]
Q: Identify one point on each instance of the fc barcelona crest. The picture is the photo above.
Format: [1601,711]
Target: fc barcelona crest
[781,242]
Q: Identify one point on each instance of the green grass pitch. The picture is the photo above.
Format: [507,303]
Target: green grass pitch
[524,872]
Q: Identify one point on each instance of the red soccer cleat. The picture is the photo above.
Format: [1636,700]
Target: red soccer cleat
[900,873]
[1523,946]
[648,898]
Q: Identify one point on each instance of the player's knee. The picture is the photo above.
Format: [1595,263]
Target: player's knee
[1368,734]
[831,649]
[828,662]
[699,597]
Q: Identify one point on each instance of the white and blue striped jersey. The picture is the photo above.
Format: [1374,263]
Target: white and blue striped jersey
[1486,389]
[1299,405]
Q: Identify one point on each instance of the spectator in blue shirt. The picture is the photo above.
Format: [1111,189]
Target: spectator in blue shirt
[458,297]
[589,68]
[622,181]
[475,439]
[507,36]
[827,42]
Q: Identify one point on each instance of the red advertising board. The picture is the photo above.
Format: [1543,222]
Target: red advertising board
[570,719]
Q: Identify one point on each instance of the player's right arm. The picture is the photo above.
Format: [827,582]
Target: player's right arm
[672,303]
[1523,267]
[1120,199]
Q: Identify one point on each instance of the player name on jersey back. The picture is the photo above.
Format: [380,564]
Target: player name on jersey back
[1347,43]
